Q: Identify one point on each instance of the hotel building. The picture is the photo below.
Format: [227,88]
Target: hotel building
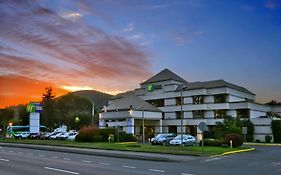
[160,101]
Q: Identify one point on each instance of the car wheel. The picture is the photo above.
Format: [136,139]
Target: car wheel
[193,144]
[164,143]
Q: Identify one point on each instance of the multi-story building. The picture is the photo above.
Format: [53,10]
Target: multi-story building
[168,103]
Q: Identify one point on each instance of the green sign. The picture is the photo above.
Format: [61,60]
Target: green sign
[150,88]
[33,107]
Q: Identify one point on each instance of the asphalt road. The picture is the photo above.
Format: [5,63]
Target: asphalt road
[20,161]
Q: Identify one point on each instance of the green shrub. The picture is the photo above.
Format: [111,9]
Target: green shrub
[268,138]
[106,132]
[237,140]
[86,134]
[97,138]
[276,130]
[258,141]
[124,137]
[212,142]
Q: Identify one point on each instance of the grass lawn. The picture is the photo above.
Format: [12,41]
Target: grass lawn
[196,150]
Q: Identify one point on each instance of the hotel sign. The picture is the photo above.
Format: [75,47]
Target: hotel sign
[151,87]
[34,107]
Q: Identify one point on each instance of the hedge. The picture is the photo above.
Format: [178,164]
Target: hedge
[276,130]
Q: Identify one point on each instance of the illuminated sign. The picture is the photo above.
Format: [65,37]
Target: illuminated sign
[34,107]
[151,87]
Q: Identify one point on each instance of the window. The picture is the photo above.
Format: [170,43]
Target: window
[179,101]
[221,98]
[198,99]
[243,113]
[178,114]
[157,103]
[199,114]
[219,114]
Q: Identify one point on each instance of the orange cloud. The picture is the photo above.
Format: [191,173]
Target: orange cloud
[20,90]
[39,47]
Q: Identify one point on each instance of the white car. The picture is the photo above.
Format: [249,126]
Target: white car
[55,136]
[72,136]
[183,139]
[23,135]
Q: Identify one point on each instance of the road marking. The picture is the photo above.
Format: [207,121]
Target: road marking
[276,163]
[107,164]
[10,151]
[41,155]
[131,167]
[154,170]
[54,157]
[19,152]
[5,160]
[60,170]
[186,174]
[213,159]
[66,159]
[86,161]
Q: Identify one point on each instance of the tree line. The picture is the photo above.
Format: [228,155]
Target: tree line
[69,109]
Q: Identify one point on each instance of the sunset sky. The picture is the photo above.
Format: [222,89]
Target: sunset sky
[113,45]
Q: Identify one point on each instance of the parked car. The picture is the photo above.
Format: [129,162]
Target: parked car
[65,135]
[56,136]
[72,136]
[163,139]
[183,139]
[22,135]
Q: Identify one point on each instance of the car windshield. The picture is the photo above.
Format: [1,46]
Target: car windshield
[160,136]
[179,137]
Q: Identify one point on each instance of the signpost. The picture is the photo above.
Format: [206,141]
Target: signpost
[34,110]
[202,127]
[244,132]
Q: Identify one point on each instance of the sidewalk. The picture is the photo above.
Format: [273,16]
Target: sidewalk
[107,153]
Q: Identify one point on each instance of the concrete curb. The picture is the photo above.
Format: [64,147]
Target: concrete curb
[263,144]
[96,152]
[233,152]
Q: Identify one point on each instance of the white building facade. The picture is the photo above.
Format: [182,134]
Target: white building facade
[158,104]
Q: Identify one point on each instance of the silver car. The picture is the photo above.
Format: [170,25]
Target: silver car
[183,139]
[163,139]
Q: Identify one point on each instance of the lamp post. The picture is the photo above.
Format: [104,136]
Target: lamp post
[183,87]
[142,114]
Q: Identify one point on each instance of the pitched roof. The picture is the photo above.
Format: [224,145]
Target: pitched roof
[213,84]
[165,74]
[127,100]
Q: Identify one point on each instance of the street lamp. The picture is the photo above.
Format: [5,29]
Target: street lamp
[142,115]
[183,87]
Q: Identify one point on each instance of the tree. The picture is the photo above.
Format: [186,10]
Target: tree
[6,115]
[49,94]
[250,129]
[71,106]
[229,125]
[49,113]
[23,115]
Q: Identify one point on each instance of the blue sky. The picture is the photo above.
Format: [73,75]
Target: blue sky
[100,44]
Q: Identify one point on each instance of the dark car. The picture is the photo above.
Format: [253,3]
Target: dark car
[163,139]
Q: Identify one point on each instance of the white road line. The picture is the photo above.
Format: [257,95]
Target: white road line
[5,160]
[154,170]
[186,174]
[212,159]
[86,161]
[41,155]
[19,152]
[104,164]
[61,170]
[54,157]
[131,167]
[10,151]
[66,159]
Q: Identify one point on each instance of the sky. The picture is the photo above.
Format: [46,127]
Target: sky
[113,45]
